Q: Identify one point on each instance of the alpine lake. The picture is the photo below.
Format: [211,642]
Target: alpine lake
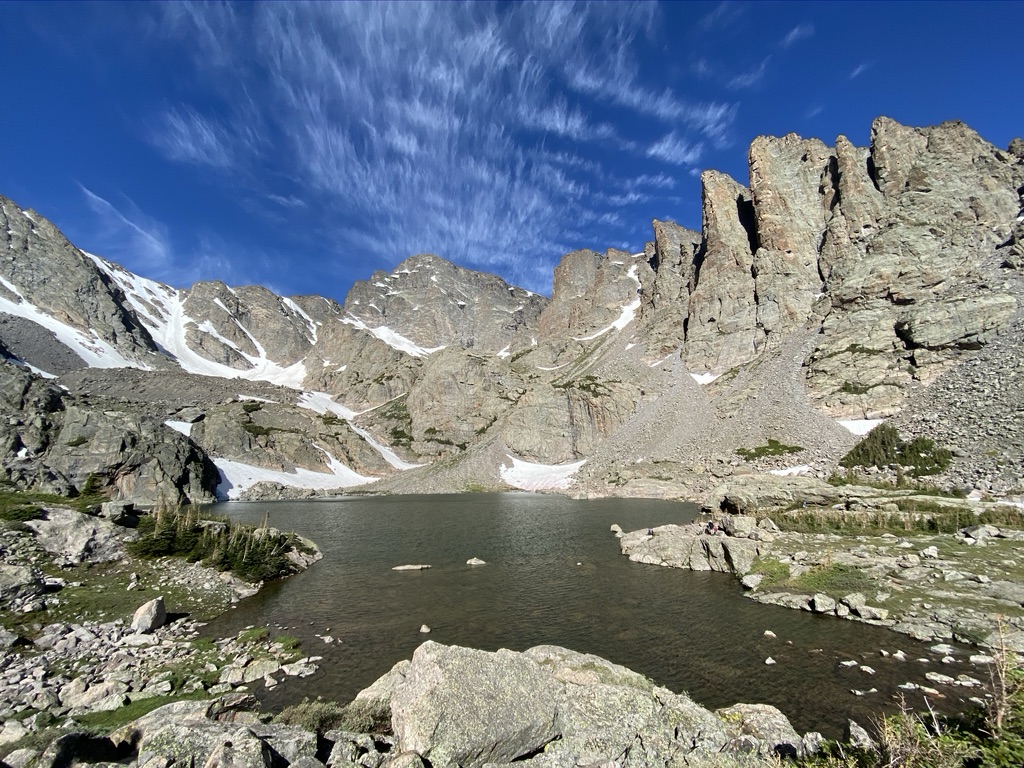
[554,575]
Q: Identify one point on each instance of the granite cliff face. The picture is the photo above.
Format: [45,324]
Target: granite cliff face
[841,283]
[55,442]
[890,252]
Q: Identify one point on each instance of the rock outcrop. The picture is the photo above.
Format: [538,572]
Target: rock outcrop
[434,303]
[54,442]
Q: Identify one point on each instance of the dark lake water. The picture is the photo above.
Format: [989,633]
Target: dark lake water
[555,575]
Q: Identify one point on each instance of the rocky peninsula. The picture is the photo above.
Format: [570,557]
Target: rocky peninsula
[925,566]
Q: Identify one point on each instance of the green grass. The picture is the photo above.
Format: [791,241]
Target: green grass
[254,635]
[76,442]
[20,513]
[106,722]
[773,448]
[836,579]
[251,406]
[287,643]
[774,572]
[16,505]
[589,384]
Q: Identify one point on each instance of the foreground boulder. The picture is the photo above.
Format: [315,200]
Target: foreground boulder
[555,707]
[548,707]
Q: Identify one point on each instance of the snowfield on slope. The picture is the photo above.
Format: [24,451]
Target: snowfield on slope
[236,477]
[161,308]
[392,338]
[539,477]
[96,352]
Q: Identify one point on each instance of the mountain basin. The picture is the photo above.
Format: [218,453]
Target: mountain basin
[554,574]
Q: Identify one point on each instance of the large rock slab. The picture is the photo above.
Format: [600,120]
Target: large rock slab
[687,546]
[74,537]
[457,705]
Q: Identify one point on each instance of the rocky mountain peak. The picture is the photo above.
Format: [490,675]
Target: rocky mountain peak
[435,303]
[60,296]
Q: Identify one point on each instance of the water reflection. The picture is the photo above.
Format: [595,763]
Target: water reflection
[554,575]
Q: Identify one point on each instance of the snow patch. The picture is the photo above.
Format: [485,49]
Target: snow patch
[505,352]
[556,368]
[180,426]
[626,316]
[93,350]
[302,313]
[390,456]
[536,477]
[800,469]
[255,399]
[705,378]
[392,338]
[321,402]
[860,426]
[237,477]
[161,308]
[664,360]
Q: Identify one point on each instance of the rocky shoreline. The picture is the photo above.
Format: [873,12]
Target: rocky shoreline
[965,587]
[73,567]
[67,687]
[547,707]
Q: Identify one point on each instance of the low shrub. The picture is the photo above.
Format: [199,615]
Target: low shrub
[834,579]
[317,716]
[253,554]
[883,447]
[773,448]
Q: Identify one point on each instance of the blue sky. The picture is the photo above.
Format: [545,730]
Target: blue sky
[305,146]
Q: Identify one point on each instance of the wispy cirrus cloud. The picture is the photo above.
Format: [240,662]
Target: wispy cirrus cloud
[722,15]
[673,149]
[859,70]
[130,236]
[750,78]
[465,129]
[797,33]
[186,136]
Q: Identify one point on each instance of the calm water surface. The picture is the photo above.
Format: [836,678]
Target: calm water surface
[555,575]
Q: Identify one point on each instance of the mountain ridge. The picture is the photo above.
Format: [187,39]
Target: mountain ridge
[837,287]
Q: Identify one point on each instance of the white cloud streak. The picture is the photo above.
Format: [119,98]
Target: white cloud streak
[133,237]
[465,129]
[859,70]
[751,78]
[798,33]
[673,149]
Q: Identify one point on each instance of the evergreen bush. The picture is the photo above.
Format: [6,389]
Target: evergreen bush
[883,448]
